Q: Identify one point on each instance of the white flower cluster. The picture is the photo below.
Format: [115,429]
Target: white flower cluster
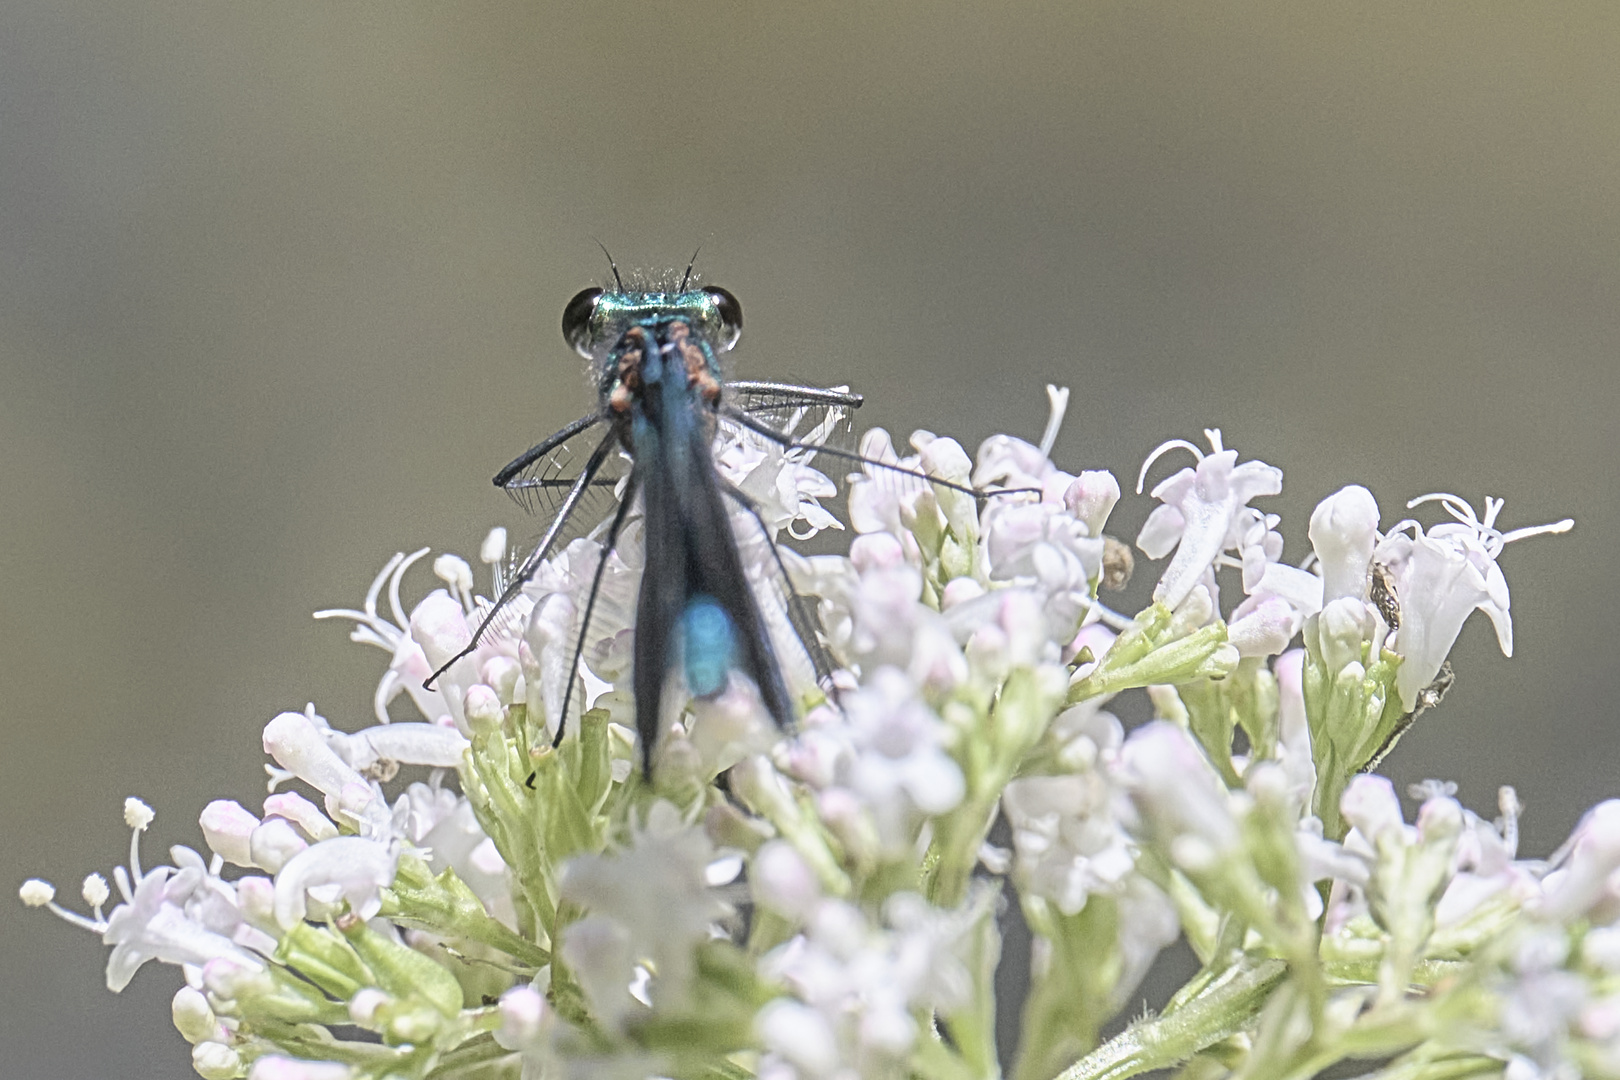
[824,904]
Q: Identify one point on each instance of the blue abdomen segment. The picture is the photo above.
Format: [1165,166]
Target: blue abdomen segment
[709,646]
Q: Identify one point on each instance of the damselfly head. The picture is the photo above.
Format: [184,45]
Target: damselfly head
[596,319]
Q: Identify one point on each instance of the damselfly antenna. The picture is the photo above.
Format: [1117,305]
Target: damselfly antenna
[688,275]
[617,280]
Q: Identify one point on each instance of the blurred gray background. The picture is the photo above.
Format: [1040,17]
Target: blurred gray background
[280,286]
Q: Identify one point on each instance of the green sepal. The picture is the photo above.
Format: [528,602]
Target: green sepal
[322,956]
[400,970]
[446,906]
[1147,660]
[290,1000]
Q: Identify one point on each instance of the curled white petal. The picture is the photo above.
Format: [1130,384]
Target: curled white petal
[349,868]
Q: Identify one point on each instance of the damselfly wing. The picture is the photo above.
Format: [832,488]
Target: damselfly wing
[662,401]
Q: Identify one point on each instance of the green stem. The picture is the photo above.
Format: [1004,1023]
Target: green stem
[1218,1013]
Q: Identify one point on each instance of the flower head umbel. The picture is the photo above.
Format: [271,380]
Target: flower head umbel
[442,893]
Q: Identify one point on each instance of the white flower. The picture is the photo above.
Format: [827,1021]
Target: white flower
[782,881]
[649,903]
[784,488]
[344,868]
[1441,577]
[886,749]
[1204,513]
[408,668]
[1591,876]
[299,746]
[150,925]
[855,986]
[1067,833]
[1486,866]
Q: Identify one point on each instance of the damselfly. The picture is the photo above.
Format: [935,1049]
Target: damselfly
[655,358]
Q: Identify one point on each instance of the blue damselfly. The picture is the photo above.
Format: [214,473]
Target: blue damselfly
[655,359]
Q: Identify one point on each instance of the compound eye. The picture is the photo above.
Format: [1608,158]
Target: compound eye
[730,315]
[576,320]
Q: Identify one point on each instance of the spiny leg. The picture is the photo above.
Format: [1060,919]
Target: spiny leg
[544,447]
[590,605]
[799,614]
[787,442]
[532,563]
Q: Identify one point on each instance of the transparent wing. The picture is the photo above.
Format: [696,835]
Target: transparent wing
[541,479]
[808,415]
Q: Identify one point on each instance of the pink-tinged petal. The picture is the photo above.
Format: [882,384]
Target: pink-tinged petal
[411,669]
[524,1012]
[439,626]
[876,551]
[300,747]
[1091,498]
[226,826]
[782,881]
[1265,630]
[1161,531]
[301,812]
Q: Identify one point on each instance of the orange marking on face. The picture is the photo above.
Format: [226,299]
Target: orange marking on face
[698,375]
[629,375]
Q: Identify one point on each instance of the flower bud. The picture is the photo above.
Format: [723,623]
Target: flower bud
[876,551]
[273,843]
[1344,528]
[782,881]
[276,1067]
[483,709]
[1342,628]
[1091,498]
[226,826]
[523,1017]
[192,1016]
[215,1061]
[364,1005]
[305,815]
